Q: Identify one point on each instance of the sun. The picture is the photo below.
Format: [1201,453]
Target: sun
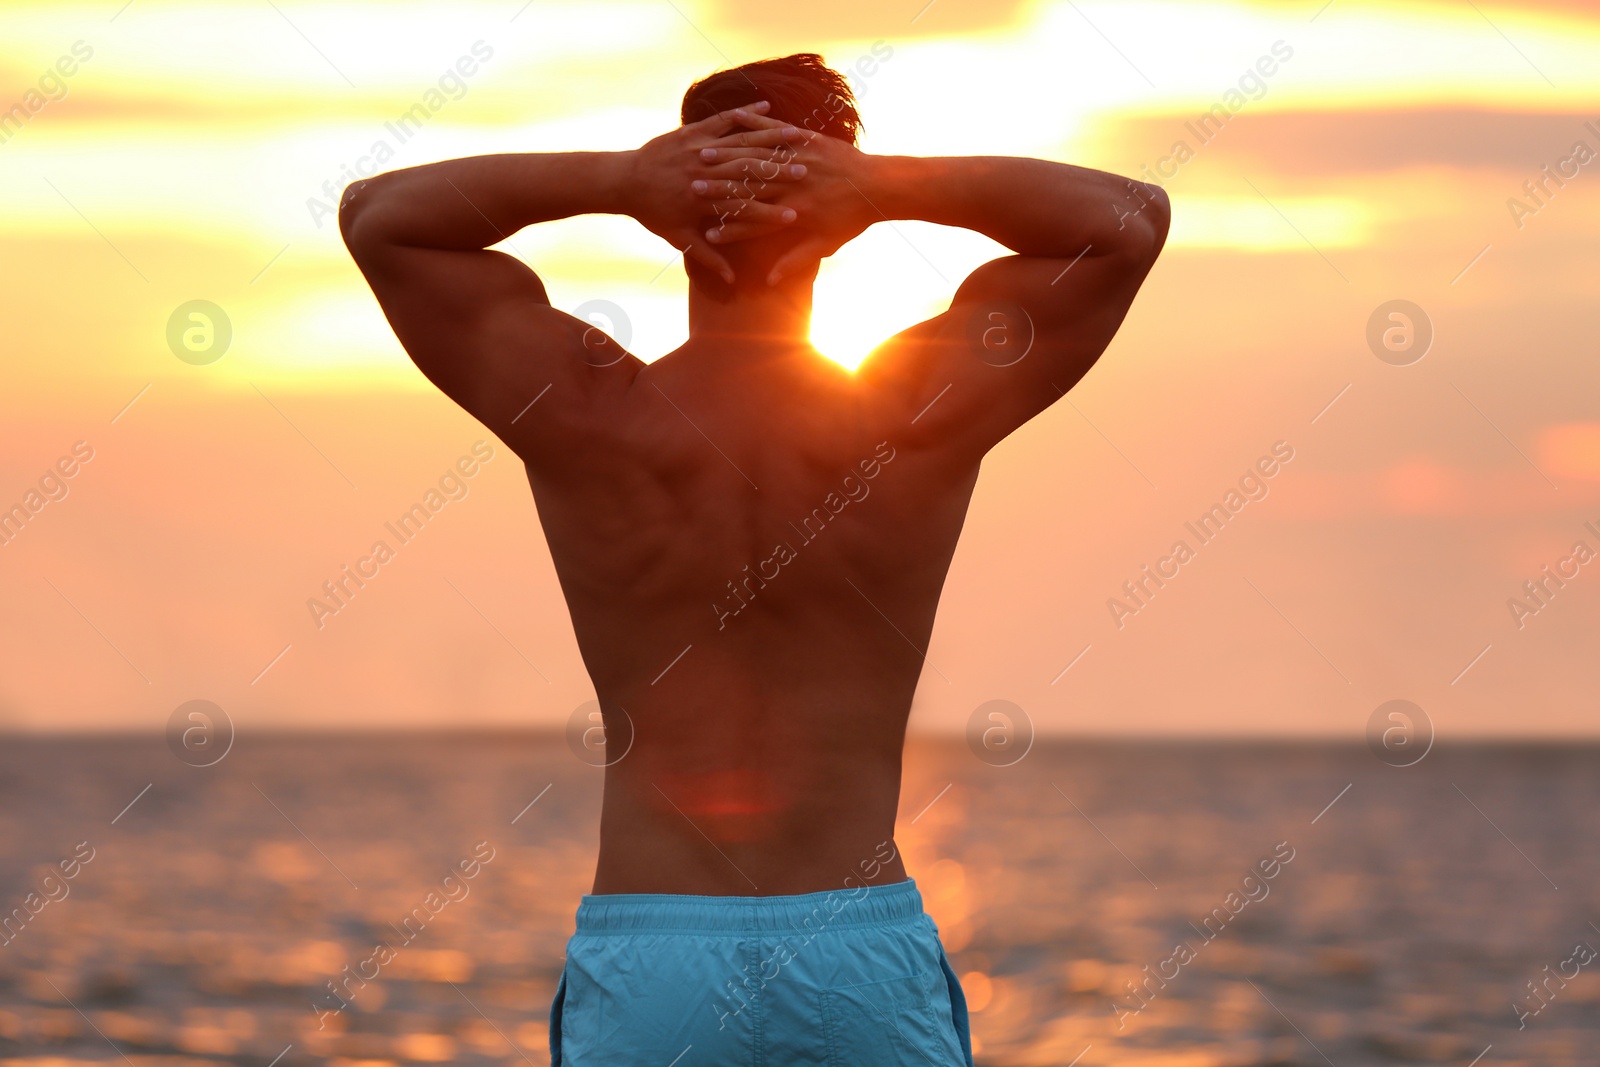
[888,279]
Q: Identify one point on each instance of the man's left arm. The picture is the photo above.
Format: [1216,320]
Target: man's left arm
[477,322]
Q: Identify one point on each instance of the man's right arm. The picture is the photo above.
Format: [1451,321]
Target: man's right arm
[1022,329]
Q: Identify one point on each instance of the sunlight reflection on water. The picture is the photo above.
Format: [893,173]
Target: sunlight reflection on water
[1404,926]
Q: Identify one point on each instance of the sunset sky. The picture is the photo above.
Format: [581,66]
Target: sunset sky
[193,153]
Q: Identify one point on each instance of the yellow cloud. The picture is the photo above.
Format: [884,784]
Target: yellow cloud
[1286,224]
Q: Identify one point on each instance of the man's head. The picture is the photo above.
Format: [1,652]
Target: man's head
[803,92]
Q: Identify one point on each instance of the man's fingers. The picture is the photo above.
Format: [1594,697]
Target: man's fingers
[746,186]
[748,211]
[706,256]
[756,171]
[742,189]
[744,115]
[730,232]
[767,137]
[781,154]
[753,119]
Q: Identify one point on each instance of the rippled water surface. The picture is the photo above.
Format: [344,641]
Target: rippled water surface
[1429,914]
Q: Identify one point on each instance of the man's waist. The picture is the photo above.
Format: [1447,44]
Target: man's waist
[891,903]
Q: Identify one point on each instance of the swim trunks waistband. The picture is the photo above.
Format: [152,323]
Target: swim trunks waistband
[877,905]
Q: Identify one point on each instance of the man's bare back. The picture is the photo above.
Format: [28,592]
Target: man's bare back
[751,539]
[753,557]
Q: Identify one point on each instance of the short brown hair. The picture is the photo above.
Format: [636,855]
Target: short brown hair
[803,90]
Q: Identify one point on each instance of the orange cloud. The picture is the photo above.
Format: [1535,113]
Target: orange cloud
[1571,451]
[1423,486]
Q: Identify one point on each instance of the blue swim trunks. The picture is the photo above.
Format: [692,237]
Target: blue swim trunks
[833,979]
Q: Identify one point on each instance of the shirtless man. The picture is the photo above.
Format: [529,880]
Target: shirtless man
[751,539]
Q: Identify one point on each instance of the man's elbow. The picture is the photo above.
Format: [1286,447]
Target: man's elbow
[1143,213]
[355,213]
[1157,218]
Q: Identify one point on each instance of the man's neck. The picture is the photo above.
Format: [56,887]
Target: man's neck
[756,317]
